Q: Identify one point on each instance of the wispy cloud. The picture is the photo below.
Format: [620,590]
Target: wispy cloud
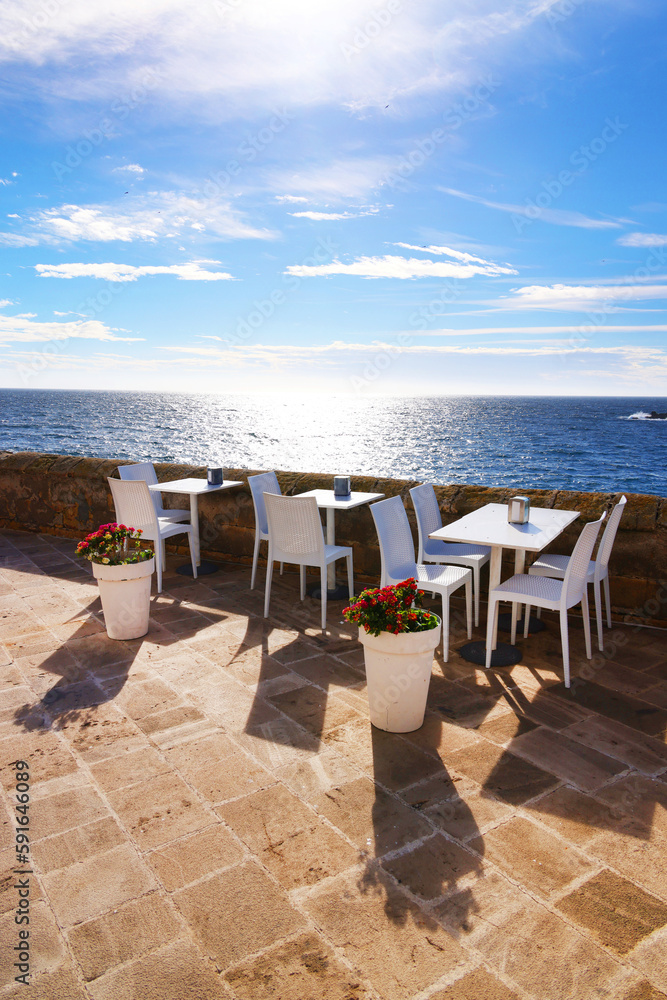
[445,251]
[390,266]
[192,271]
[579,297]
[642,240]
[342,180]
[555,216]
[333,216]
[152,217]
[129,168]
[23,329]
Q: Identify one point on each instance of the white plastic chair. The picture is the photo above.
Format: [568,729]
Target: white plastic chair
[296,536]
[546,592]
[146,471]
[433,550]
[397,556]
[266,482]
[134,507]
[598,569]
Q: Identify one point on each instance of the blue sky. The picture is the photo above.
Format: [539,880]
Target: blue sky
[364,197]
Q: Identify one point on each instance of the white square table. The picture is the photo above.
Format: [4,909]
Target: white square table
[327,500]
[489,526]
[194,488]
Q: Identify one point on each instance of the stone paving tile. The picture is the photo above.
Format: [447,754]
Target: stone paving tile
[650,958]
[610,704]
[46,946]
[637,750]
[617,913]
[477,985]
[433,867]
[58,813]
[125,933]
[262,912]
[47,755]
[387,938]
[534,948]
[386,757]
[305,968]
[175,972]
[159,809]
[191,858]
[218,770]
[502,773]
[374,820]
[575,763]
[128,769]
[77,844]
[531,856]
[456,805]
[90,887]
[314,709]
[289,839]
[63,984]
[314,776]
[101,732]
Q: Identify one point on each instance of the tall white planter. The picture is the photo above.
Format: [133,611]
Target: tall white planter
[398,673]
[125,592]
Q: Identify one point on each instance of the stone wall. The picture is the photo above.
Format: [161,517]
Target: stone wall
[66,495]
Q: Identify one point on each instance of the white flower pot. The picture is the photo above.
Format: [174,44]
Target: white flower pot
[398,673]
[125,592]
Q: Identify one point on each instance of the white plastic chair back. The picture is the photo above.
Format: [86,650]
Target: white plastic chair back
[266,482]
[397,551]
[608,538]
[295,528]
[143,471]
[428,519]
[134,505]
[576,574]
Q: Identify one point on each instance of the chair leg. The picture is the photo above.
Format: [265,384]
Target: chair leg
[526,620]
[475,577]
[323,592]
[607,599]
[267,587]
[157,548]
[515,616]
[192,554]
[350,575]
[597,597]
[302,581]
[587,622]
[491,618]
[469,607]
[445,627]
[539,612]
[281,568]
[565,642]
[255,557]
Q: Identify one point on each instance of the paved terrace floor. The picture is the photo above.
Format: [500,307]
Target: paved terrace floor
[214,817]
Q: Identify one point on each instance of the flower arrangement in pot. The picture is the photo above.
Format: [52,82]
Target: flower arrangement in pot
[399,638]
[123,571]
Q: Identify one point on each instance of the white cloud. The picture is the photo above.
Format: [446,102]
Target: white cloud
[398,267]
[579,297]
[333,216]
[130,168]
[642,240]
[151,217]
[224,57]
[446,251]
[128,272]
[556,216]
[5,302]
[542,331]
[23,329]
[291,199]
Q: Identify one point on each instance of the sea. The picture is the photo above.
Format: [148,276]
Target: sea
[593,444]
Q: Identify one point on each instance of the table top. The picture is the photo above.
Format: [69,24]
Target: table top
[327,499]
[192,486]
[489,526]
